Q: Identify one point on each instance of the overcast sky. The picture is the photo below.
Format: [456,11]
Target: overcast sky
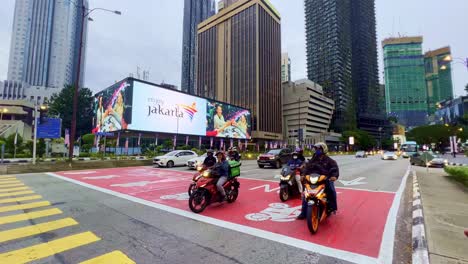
[149,35]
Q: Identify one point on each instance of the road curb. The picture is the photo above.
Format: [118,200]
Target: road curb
[457,164]
[420,249]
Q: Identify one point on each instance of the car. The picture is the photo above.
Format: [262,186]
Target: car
[428,159]
[193,163]
[361,154]
[174,158]
[389,155]
[274,158]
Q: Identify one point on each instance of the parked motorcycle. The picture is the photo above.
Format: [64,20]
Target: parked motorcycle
[205,191]
[316,201]
[288,184]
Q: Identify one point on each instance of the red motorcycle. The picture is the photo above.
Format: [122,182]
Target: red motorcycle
[195,178]
[205,191]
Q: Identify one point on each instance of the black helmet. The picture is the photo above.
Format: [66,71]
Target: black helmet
[210,151]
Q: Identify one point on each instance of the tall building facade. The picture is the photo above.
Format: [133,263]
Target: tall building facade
[342,57]
[438,77]
[195,11]
[285,68]
[405,83]
[239,62]
[45,42]
[306,107]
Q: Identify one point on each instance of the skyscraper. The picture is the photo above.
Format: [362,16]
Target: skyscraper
[195,11]
[45,42]
[285,68]
[405,83]
[342,57]
[239,62]
[438,76]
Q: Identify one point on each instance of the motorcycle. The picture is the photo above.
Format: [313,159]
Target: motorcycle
[195,178]
[288,184]
[206,192]
[316,199]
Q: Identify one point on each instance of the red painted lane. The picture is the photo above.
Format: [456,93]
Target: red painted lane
[358,227]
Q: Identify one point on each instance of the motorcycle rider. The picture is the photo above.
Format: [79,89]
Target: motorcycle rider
[300,153]
[322,164]
[234,154]
[210,160]
[293,164]
[221,169]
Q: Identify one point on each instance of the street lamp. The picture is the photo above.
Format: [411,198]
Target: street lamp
[4,110]
[450,60]
[85,13]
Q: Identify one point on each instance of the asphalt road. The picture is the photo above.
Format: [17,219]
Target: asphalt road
[147,235]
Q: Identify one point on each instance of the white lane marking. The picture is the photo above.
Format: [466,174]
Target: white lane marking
[357,181]
[101,177]
[79,172]
[266,188]
[143,183]
[388,238]
[335,253]
[346,188]
[416,202]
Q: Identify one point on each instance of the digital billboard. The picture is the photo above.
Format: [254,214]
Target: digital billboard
[139,106]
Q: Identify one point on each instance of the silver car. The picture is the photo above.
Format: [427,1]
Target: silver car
[389,155]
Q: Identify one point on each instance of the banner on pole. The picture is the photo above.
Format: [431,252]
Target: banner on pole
[186,140]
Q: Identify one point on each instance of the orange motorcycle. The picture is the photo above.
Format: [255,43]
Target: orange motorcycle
[316,198]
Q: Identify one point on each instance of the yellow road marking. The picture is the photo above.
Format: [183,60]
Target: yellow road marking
[9,182]
[115,257]
[20,199]
[12,185]
[14,189]
[44,250]
[7,179]
[26,216]
[15,193]
[27,231]
[23,206]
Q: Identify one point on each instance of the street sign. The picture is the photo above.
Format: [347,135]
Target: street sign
[50,128]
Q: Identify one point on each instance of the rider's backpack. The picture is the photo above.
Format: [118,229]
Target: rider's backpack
[234,168]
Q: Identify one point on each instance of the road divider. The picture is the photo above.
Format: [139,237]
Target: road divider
[114,257]
[15,193]
[20,199]
[29,216]
[23,206]
[37,229]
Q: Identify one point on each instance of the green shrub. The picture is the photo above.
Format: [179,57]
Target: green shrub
[458,173]
[88,139]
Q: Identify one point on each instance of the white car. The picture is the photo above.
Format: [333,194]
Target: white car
[389,156]
[193,163]
[174,158]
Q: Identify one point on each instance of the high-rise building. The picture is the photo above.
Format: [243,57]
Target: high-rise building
[405,83]
[195,11]
[239,62]
[438,77]
[45,42]
[225,3]
[285,68]
[342,57]
[305,107]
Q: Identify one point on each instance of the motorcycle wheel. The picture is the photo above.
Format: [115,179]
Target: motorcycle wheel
[232,195]
[284,194]
[198,201]
[313,218]
[191,188]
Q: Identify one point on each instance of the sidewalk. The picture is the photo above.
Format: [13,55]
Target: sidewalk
[445,208]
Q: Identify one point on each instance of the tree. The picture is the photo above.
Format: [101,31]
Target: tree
[10,144]
[61,106]
[437,134]
[362,139]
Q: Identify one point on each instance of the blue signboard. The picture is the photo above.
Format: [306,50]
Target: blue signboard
[50,128]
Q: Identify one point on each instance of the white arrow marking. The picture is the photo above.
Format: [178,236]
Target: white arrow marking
[101,177]
[142,183]
[266,188]
[79,172]
[356,181]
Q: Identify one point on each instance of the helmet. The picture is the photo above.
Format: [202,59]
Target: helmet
[323,146]
[210,151]
[221,153]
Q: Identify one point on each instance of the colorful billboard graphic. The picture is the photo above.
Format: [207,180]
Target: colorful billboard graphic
[139,106]
[113,108]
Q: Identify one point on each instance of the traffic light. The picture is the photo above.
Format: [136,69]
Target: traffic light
[43,110]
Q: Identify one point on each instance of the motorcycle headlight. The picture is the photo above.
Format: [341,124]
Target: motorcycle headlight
[272,158]
[206,174]
[445,161]
[199,168]
[286,178]
[428,164]
[314,180]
